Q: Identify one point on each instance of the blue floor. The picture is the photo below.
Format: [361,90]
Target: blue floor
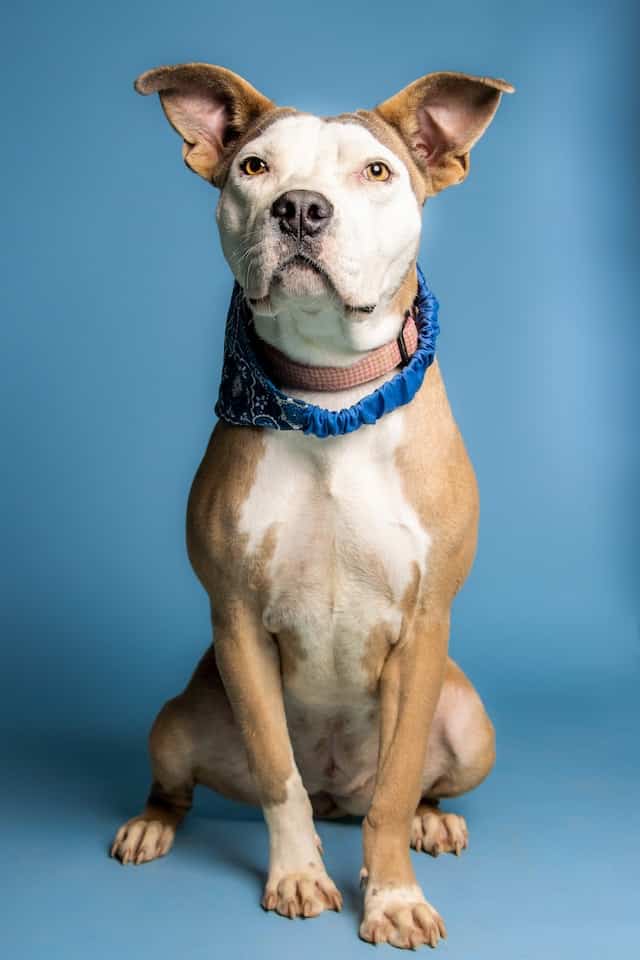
[551,870]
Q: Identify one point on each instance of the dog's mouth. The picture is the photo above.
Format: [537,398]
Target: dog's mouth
[299,277]
[302,276]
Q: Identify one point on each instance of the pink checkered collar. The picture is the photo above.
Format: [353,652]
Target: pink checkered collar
[303,376]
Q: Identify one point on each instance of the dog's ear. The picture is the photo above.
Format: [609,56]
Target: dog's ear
[440,117]
[210,107]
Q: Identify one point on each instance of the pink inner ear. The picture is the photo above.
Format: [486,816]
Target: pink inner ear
[451,125]
[456,120]
[431,141]
[198,115]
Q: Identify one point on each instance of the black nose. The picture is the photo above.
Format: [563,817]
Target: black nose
[302,213]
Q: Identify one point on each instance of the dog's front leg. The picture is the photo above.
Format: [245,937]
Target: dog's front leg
[395,909]
[249,664]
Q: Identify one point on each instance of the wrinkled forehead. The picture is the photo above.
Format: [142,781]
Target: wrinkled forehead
[306,140]
[309,146]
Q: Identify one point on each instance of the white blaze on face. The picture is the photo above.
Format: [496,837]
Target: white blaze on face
[373,235]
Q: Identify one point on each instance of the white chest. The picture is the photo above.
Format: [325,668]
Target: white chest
[347,542]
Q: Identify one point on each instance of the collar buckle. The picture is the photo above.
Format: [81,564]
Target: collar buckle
[402,346]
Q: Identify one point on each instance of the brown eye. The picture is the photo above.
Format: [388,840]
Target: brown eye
[377,171]
[253,166]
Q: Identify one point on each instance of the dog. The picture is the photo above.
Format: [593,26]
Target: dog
[331,560]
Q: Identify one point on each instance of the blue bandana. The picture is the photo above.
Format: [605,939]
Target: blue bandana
[248,398]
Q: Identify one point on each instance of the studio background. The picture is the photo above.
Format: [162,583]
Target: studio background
[114,294]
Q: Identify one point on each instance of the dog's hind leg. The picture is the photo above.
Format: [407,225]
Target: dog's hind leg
[194,740]
[151,833]
[460,754]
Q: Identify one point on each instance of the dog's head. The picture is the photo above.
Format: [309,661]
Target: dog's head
[315,208]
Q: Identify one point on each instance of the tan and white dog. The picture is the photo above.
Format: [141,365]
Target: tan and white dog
[331,564]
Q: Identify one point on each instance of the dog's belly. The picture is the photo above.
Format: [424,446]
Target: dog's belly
[336,748]
[345,548]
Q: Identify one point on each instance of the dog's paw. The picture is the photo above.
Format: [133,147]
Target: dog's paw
[436,832]
[140,840]
[301,894]
[402,917]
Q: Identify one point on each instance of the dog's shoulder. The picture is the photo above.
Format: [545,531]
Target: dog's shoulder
[439,481]
[221,485]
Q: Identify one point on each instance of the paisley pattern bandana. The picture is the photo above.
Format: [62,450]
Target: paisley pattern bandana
[248,398]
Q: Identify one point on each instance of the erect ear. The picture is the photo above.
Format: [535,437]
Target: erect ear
[210,107]
[440,117]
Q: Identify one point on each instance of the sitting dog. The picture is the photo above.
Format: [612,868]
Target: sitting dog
[334,515]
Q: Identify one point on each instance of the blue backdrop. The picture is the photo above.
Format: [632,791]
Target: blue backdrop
[114,293]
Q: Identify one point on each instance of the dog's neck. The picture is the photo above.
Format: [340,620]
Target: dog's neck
[324,333]
[248,397]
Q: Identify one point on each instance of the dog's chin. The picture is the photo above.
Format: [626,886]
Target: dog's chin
[310,287]
[300,279]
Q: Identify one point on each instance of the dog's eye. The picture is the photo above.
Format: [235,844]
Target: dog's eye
[377,171]
[253,166]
